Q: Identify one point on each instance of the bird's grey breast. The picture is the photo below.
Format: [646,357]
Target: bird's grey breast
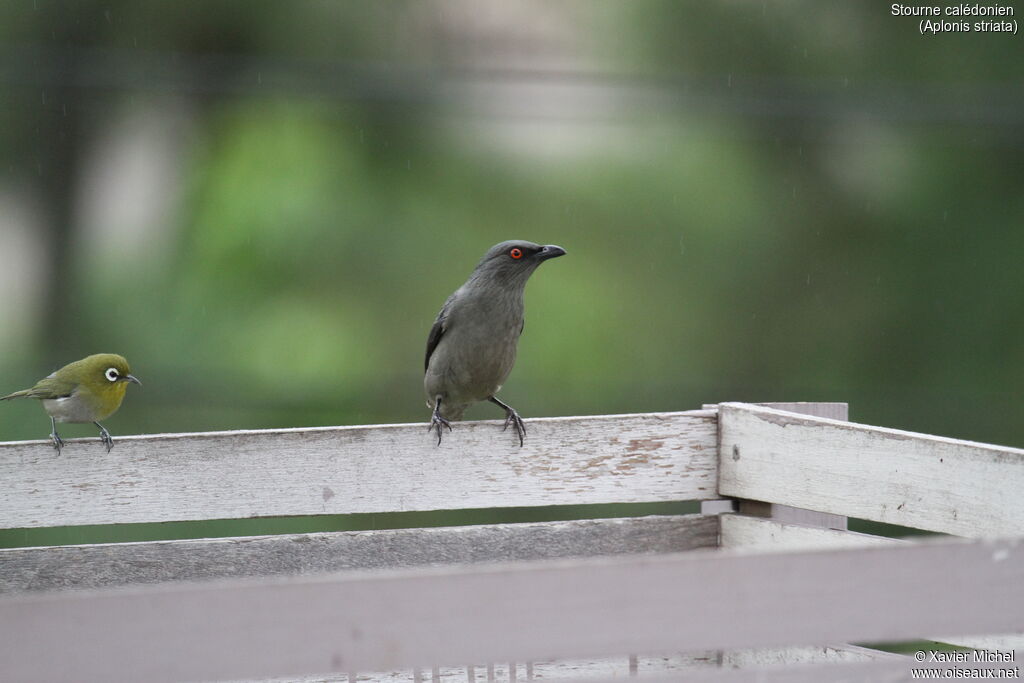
[478,349]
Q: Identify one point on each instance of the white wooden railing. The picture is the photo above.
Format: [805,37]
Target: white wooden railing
[742,596]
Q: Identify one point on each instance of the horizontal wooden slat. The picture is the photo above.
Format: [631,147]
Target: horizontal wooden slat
[791,515]
[1005,642]
[548,610]
[569,670]
[886,475]
[339,470]
[752,533]
[113,564]
[832,410]
[502,672]
[650,668]
[762,657]
[891,670]
[755,533]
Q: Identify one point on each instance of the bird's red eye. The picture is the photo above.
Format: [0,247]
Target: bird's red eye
[516,253]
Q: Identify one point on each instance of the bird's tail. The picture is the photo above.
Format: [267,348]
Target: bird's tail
[16,394]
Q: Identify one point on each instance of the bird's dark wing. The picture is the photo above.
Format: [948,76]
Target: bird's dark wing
[436,332]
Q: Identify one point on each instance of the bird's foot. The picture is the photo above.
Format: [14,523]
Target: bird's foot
[512,418]
[438,423]
[58,442]
[105,437]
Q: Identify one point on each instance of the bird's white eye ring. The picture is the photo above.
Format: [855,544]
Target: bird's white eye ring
[111,374]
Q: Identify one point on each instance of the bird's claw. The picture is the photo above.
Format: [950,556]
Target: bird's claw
[105,436]
[512,418]
[107,440]
[58,442]
[438,423]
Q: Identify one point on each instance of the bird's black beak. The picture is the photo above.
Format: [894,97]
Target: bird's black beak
[550,251]
[131,378]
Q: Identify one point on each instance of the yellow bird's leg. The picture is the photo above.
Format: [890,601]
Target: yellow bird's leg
[105,436]
[54,436]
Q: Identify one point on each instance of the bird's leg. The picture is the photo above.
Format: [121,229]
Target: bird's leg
[437,423]
[511,418]
[105,436]
[54,436]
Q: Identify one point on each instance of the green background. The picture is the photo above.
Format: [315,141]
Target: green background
[263,205]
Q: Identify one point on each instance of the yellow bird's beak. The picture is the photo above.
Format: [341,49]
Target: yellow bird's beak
[131,378]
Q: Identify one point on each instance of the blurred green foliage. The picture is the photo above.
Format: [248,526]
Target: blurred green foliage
[783,201]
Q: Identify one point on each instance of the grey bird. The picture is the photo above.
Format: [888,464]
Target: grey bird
[472,345]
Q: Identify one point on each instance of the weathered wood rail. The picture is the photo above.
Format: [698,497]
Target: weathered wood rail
[343,470]
[735,596]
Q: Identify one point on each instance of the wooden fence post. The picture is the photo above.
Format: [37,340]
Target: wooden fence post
[784,513]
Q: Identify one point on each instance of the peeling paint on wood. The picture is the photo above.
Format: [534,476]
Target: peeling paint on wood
[341,470]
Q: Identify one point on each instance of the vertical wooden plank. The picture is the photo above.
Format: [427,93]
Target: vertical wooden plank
[717,507]
[785,514]
[833,411]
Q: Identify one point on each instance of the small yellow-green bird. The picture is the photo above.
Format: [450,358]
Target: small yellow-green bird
[88,390]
